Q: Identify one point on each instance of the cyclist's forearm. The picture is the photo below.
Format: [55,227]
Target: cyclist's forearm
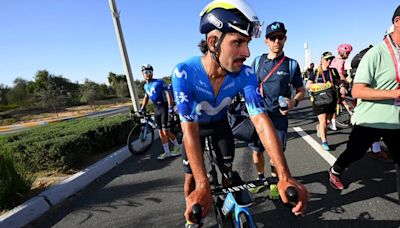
[193,151]
[169,99]
[269,139]
[145,101]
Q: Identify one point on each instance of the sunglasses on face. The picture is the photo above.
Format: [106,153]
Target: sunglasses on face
[274,37]
[147,72]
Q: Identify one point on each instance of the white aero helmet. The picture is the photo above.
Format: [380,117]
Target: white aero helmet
[230,16]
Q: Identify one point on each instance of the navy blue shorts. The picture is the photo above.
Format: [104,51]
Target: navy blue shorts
[281,125]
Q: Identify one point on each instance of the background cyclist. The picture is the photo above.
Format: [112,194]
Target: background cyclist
[204,86]
[156,91]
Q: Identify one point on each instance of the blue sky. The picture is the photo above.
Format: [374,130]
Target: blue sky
[76,38]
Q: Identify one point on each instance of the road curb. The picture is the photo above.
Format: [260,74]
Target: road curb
[24,213]
[81,179]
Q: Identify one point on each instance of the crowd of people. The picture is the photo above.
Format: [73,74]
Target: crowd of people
[205,86]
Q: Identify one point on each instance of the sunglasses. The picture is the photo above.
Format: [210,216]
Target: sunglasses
[274,37]
[147,72]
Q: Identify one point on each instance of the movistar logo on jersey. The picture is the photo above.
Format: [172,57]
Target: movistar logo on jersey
[210,110]
[180,74]
[275,26]
[282,73]
[151,91]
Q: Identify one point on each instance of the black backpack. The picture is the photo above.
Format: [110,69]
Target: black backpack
[356,61]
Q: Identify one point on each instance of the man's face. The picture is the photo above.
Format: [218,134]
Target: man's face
[276,41]
[234,51]
[147,74]
[344,55]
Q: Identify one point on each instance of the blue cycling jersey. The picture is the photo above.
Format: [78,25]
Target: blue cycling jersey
[195,98]
[155,90]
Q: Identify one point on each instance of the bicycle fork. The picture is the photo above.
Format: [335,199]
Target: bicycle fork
[231,206]
[143,134]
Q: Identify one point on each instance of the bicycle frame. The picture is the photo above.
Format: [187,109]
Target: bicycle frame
[230,204]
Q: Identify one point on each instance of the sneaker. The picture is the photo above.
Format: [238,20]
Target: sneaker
[318,134]
[164,156]
[273,192]
[260,188]
[335,180]
[382,156]
[176,152]
[191,225]
[325,146]
[333,128]
[273,171]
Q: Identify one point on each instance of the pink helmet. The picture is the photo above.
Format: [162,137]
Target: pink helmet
[345,48]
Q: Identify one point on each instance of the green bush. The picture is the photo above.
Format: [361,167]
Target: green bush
[13,183]
[65,145]
[56,147]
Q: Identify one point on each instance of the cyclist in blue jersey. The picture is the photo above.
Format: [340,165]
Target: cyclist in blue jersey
[204,87]
[156,91]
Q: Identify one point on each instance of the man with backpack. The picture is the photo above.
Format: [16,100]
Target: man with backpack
[276,75]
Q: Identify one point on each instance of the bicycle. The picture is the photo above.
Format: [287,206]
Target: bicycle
[231,203]
[344,111]
[141,137]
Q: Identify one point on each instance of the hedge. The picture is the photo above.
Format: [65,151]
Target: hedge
[61,147]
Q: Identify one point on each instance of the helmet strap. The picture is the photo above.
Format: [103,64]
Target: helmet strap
[215,54]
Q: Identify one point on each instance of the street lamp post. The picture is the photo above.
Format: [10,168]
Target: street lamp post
[124,55]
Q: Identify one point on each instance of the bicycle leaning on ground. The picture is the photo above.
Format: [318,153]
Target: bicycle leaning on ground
[344,111]
[231,204]
[141,137]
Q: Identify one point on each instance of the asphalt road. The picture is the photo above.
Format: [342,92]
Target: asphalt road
[144,192]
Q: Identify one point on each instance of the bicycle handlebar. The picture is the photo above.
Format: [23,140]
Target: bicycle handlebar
[292,195]
[196,214]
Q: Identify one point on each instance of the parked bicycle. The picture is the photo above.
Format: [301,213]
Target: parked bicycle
[231,204]
[345,110]
[141,137]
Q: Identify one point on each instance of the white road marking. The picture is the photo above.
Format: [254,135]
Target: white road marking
[317,147]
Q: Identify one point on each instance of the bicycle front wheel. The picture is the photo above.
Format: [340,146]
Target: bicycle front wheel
[244,221]
[343,118]
[140,139]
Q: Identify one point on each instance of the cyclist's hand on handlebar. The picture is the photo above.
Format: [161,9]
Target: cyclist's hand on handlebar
[302,193]
[200,195]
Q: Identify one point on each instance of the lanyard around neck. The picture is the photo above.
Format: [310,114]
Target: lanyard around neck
[269,75]
[394,58]
[323,76]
